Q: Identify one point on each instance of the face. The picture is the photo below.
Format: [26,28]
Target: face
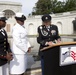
[2,23]
[47,23]
[20,22]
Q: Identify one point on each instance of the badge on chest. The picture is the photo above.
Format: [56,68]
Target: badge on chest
[53,32]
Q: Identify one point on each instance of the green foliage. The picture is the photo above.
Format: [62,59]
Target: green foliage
[43,6]
[53,6]
[70,5]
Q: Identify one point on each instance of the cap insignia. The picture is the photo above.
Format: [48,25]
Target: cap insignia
[46,18]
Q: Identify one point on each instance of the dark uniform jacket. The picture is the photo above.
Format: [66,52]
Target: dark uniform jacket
[46,34]
[4,47]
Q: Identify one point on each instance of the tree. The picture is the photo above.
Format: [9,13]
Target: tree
[56,6]
[53,6]
[70,5]
[42,7]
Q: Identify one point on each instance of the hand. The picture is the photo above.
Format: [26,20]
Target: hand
[50,43]
[58,41]
[9,56]
[29,49]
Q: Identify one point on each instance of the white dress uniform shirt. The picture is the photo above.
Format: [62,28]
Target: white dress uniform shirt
[20,41]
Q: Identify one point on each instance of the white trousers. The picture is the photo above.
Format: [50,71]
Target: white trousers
[19,64]
[4,70]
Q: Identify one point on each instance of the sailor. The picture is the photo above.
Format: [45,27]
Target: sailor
[21,46]
[5,51]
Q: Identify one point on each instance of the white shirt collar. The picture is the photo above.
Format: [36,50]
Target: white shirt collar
[21,25]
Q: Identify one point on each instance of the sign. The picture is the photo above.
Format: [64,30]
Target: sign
[67,55]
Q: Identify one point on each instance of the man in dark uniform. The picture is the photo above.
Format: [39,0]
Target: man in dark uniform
[47,35]
[5,52]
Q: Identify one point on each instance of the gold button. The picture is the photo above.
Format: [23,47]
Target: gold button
[4,38]
[4,50]
[4,42]
[4,46]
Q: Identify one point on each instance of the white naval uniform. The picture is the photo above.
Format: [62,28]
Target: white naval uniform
[4,70]
[20,47]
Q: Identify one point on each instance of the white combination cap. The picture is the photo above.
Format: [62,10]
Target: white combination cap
[2,16]
[19,14]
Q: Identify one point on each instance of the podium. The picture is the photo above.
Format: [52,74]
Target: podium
[55,56]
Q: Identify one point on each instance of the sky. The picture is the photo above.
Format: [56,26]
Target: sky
[27,5]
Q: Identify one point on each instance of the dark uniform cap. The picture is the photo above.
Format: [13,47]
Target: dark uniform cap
[46,17]
[2,16]
[20,16]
